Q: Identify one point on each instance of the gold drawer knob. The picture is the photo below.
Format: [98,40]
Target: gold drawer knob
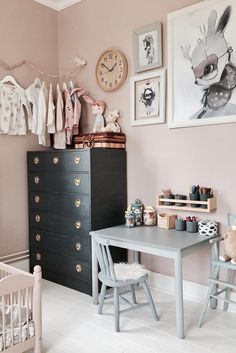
[36,180]
[38,237]
[37,218]
[37,198]
[77,181]
[55,160]
[78,225]
[38,256]
[77,203]
[77,159]
[78,246]
[78,268]
[36,160]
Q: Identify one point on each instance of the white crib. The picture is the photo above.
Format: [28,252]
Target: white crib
[20,310]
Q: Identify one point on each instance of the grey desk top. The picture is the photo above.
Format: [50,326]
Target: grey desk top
[152,236]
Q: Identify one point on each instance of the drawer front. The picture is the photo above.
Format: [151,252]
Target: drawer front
[49,161]
[60,243]
[69,204]
[64,182]
[58,224]
[59,161]
[65,265]
[78,161]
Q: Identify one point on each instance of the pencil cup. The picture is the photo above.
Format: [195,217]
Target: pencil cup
[205,197]
[192,227]
[167,203]
[180,224]
[180,197]
[194,197]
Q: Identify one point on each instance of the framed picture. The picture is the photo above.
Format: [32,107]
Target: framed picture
[147,98]
[148,47]
[202,64]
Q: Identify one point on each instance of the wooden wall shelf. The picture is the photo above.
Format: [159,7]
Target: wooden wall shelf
[210,203]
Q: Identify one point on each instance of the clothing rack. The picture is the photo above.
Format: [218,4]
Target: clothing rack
[79,64]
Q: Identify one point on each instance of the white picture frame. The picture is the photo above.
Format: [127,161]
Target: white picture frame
[147,98]
[147,46]
[196,69]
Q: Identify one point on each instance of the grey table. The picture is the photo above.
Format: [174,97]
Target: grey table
[151,240]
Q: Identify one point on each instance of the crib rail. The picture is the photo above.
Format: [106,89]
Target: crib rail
[20,309]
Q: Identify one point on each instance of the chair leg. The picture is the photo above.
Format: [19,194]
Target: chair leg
[101,298]
[150,300]
[227,292]
[209,293]
[133,294]
[116,309]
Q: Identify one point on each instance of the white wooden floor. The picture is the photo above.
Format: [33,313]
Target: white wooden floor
[71,325]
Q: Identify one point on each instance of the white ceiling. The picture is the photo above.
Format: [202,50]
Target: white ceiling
[58,5]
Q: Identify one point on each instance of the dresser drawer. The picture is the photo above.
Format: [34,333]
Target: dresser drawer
[59,161]
[78,161]
[65,265]
[59,182]
[60,243]
[69,204]
[57,224]
[49,161]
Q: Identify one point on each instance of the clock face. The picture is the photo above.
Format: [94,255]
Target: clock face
[111,70]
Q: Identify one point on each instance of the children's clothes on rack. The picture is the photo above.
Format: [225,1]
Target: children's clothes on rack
[44,137]
[72,112]
[51,113]
[14,107]
[32,94]
[60,134]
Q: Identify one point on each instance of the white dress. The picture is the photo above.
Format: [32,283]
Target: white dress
[14,108]
[32,93]
[44,138]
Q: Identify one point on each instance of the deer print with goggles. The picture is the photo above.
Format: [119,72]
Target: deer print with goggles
[212,67]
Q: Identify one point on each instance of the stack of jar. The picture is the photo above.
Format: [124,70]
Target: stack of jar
[137,214]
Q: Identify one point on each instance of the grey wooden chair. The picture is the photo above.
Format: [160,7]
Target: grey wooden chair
[109,277]
[214,292]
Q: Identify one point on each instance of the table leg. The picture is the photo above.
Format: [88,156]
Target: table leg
[214,253]
[136,257]
[179,296]
[94,274]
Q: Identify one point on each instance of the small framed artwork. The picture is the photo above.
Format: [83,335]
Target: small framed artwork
[147,47]
[147,98]
[202,64]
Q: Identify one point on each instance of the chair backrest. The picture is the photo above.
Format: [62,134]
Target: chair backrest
[104,256]
[231,220]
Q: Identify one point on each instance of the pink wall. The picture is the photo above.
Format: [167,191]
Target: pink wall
[28,30]
[157,156]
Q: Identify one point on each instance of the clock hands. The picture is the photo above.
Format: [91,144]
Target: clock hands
[103,65]
[109,70]
[113,67]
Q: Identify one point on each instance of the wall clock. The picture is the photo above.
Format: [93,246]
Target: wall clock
[111,70]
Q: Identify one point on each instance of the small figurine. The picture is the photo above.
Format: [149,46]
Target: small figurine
[150,216]
[111,124]
[98,108]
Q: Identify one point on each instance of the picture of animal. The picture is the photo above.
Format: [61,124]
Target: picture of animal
[212,66]
[148,44]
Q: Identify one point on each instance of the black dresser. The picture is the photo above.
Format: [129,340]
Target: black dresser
[72,192]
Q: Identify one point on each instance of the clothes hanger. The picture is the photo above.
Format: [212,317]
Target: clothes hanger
[71,84]
[10,79]
[37,82]
[64,87]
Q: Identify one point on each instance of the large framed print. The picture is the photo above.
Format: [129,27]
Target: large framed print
[202,64]
[147,98]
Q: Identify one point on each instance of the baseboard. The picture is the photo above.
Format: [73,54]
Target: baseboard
[19,260]
[192,291]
